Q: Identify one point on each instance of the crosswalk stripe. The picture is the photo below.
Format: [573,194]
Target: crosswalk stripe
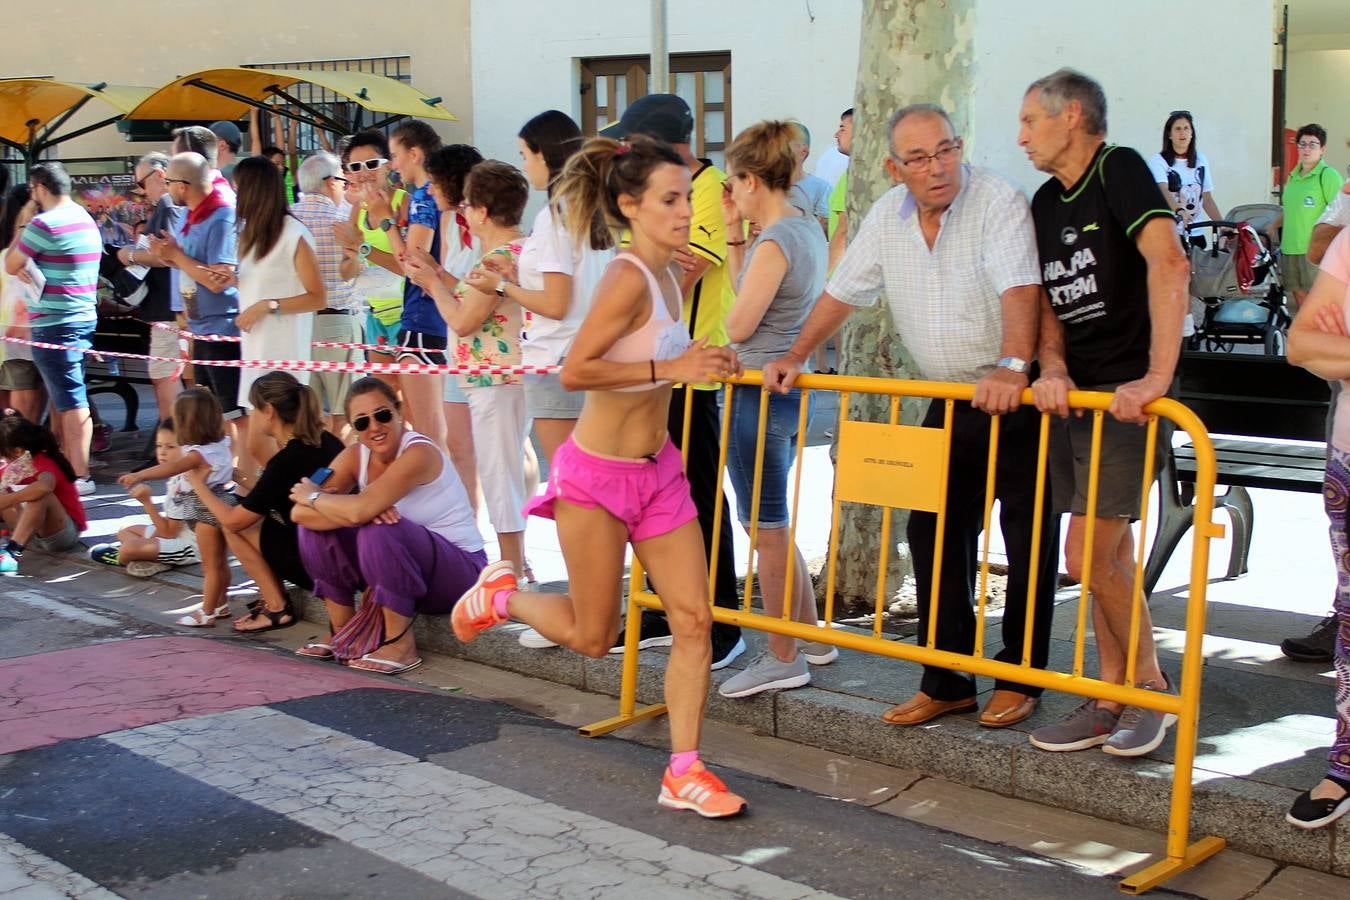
[25,872]
[465,832]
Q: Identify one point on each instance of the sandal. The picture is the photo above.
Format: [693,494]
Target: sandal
[383,666]
[200,618]
[316,650]
[273,618]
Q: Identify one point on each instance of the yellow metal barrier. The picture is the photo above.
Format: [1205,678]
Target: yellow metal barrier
[905,467]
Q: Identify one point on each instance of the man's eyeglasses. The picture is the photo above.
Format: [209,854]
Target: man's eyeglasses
[384,415]
[368,165]
[176,181]
[337,178]
[942,157]
[1308,145]
[140,182]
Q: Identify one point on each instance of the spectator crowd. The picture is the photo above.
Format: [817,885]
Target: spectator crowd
[644,268]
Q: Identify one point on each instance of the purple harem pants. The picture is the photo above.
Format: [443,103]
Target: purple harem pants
[409,569]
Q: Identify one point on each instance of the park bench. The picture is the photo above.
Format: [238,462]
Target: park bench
[1253,405]
[116,375]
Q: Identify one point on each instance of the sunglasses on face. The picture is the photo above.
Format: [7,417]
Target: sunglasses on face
[140,182]
[384,415]
[367,164]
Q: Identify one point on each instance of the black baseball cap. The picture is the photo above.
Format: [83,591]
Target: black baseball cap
[662,116]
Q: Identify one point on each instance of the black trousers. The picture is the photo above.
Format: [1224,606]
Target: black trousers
[1015,487]
[705,435]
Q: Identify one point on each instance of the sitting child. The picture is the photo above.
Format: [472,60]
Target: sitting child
[166,542]
[38,499]
[199,427]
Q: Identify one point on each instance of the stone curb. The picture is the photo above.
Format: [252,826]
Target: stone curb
[1248,814]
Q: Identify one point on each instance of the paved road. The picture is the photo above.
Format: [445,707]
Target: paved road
[139,762]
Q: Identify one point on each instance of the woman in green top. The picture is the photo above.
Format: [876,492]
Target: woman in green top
[377,239]
[1311,186]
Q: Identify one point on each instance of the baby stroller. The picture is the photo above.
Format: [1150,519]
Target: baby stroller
[1235,275]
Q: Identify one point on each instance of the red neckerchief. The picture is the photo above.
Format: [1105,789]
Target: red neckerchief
[199,213]
[465,238]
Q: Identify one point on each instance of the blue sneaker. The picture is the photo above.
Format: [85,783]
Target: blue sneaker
[8,564]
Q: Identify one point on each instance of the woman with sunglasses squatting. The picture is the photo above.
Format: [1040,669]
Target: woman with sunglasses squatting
[393,520]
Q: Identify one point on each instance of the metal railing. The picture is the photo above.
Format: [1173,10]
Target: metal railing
[898,466]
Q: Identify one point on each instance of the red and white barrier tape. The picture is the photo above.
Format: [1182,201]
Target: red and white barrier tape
[307,365]
[390,349]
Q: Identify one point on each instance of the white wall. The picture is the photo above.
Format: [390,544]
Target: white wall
[1317,81]
[1220,69]
[783,64]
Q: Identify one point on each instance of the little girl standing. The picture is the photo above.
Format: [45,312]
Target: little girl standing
[38,500]
[199,425]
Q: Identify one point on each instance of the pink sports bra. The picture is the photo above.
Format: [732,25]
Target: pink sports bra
[660,337]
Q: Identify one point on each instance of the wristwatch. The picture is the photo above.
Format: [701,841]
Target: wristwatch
[313,496]
[364,250]
[386,224]
[500,289]
[1014,364]
[274,306]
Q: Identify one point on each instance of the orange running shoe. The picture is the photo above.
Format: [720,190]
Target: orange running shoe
[473,614]
[702,791]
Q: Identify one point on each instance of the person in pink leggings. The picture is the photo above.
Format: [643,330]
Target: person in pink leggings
[618,479]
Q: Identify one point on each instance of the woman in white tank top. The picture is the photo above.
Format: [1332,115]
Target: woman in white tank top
[280,286]
[407,536]
[618,479]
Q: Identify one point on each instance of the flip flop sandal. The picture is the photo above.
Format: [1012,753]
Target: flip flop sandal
[199,618]
[316,650]
[383,666]
[273,618]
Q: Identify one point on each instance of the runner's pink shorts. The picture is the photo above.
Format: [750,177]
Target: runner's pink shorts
[649,496]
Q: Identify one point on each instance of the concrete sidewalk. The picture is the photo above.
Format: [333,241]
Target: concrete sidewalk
[1266,722]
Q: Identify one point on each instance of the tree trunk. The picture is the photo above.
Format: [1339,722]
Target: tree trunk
[912,51]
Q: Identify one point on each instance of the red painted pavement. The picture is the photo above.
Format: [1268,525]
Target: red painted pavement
[51,697]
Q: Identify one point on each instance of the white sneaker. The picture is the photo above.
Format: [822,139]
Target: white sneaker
[85,486]
[144,568]
[817,653]
[534,640]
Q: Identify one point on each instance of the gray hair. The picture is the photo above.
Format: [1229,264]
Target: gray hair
[916,109]
[317,169]
[154,160]
[1066,85]
[192,168]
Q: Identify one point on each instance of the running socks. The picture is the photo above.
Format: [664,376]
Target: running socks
[499,603]
[681,762]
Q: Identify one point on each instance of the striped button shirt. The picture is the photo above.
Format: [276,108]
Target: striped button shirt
[64,242]
[946,302]
[319,215]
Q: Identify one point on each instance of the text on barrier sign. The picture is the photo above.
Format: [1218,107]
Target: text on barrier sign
[901,466]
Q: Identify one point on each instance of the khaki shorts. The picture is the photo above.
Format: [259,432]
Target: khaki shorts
[164,343]
[332,387]
[19,375]
[1298,273]
[1120,479]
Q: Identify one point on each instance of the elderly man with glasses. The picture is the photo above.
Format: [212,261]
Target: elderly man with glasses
[156,275]
[953,248]
[323,186]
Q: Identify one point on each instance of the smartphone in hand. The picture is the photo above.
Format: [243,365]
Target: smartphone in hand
[321,475]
